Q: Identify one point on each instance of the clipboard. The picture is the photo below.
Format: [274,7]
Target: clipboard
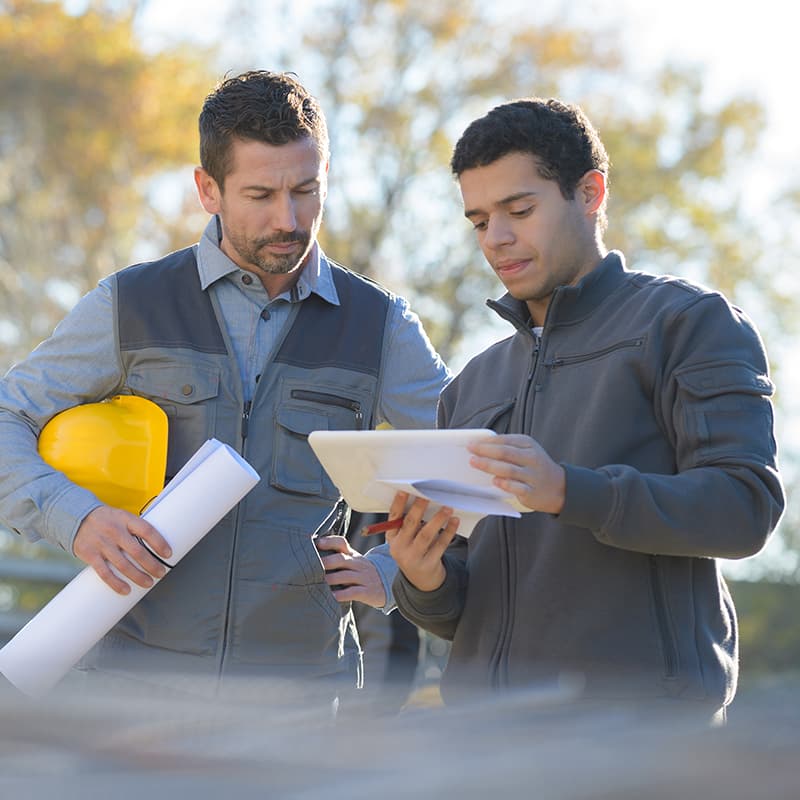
[370,467]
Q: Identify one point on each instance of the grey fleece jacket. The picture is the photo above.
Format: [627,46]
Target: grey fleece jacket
[654,396]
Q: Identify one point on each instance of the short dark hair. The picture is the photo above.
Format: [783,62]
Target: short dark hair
[559,135]
[269,107]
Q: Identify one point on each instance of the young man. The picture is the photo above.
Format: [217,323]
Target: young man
[254,337]
[635,425]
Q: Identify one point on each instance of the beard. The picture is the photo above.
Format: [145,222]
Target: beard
[252,251]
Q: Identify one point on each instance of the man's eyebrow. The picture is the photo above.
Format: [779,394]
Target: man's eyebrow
[473,212]
[261,188]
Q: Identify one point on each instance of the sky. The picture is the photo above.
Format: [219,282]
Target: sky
[741,48]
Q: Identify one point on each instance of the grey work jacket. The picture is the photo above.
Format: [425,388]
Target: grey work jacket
[653,394]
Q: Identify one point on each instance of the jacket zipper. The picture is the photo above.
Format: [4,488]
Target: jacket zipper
[331,400]
[248,405]
[338,526]
[662,620]
[497,678]
[561,361]
[246,420]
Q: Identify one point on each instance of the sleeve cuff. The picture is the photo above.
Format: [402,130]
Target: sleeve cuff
[387,571]
[66,514]
[589,498]
[437,603]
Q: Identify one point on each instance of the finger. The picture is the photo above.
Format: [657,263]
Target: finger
[414,515]
[515,487]
[522,450]
[506,468]
[517,441]
[336,543]
[136,550]
[147,533]
[398,505]
[444,538]
[430,532]
[345,577]
[374,596]
[336,561]
[128,569]
[109,577]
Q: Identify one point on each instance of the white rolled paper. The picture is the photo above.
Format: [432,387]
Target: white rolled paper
[212,482]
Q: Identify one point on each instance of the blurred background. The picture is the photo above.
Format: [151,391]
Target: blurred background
[695,102]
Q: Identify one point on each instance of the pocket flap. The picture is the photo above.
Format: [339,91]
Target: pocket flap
[486,417]
[709,381]
[179,384]
[301,422]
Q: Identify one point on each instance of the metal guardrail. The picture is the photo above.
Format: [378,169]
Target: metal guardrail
[30,570]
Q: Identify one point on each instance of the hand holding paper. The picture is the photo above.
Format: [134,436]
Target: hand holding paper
[521,466]
[212,482]
[121,547]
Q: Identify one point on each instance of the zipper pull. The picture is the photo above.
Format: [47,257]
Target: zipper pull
[246,418]
[534,359]
[342,518]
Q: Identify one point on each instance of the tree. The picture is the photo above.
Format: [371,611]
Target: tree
[400,80]
[87,120]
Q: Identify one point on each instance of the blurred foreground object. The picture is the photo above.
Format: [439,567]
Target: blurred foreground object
[525,744]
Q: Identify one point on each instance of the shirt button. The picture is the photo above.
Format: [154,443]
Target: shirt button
[247,279]
[187,389]
[265,314]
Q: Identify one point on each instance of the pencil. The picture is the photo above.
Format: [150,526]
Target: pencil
[381,527]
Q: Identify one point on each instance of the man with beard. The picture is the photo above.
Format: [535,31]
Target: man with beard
[254,337]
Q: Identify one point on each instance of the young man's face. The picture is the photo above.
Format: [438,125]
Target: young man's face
[271,206]
[533,238]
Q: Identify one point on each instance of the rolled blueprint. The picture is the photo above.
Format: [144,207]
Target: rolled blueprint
[212,482]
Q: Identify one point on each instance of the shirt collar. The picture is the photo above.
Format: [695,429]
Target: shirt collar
[213,264]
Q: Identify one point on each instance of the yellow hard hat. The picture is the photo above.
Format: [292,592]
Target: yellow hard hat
[117,449]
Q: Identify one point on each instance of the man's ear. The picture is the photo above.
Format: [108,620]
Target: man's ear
[592,191]
[208,191]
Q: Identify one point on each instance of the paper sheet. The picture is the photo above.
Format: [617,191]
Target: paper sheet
[212,482]
[369,467]
[456,495]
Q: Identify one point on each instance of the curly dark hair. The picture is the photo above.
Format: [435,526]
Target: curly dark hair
[270,107]
[558,134]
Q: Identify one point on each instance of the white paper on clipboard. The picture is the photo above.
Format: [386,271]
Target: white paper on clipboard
[369,467]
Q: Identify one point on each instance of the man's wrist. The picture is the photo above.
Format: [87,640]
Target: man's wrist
[429,583]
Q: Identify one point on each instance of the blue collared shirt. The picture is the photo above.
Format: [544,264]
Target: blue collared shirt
[79,363]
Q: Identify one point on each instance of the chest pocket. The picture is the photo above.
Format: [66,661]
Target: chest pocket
[295,468]
[496,417]
[187,394]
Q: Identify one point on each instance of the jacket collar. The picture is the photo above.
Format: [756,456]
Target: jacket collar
[569,303]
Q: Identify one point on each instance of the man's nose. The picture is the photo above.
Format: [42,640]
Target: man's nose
[498,233]
[285,216]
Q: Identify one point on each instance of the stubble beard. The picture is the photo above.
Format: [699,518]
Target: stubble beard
[270,263]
